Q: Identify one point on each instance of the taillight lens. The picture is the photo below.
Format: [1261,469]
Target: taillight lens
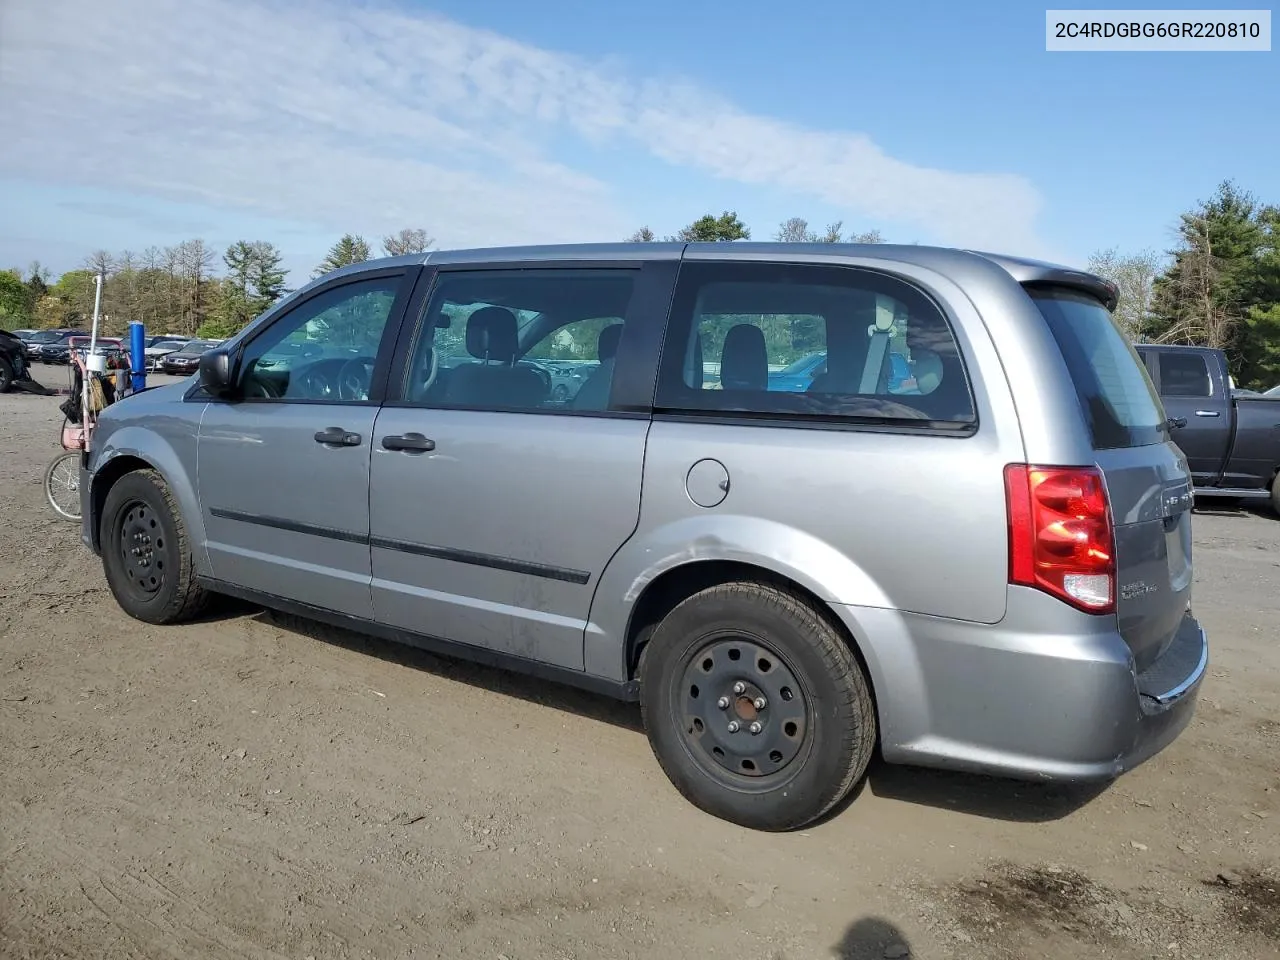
[1061,539]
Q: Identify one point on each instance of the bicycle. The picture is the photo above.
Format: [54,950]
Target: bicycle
[90,393]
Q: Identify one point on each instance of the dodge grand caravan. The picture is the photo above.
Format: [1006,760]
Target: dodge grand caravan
[983,566]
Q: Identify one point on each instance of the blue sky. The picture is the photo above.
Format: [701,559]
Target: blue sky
[504,122]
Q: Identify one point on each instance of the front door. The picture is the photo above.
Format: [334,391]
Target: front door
[497,499]
[283,467]
[1187,392]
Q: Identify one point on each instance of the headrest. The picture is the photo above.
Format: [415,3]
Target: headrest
[927,368]
[744,361]
[607,344]
[492,334]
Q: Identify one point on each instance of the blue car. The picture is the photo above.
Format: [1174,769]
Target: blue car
[796,377]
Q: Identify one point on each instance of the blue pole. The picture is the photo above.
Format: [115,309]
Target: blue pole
[137,356]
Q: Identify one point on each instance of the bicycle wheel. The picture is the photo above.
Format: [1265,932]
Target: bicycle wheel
[62,485]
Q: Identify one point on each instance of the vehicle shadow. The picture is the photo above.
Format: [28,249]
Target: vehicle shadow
[872,938]
[557,696]
[992,798]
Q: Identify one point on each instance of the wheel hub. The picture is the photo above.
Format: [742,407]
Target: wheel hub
[142,547]
[744,709]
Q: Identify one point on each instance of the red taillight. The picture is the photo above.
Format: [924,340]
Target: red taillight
[1060,535]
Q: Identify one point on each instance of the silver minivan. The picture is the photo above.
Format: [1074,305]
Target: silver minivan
[958,534]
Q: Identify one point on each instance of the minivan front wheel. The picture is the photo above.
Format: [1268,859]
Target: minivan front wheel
[755,706]
[146,553]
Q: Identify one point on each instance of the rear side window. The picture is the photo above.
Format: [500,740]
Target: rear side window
[810,341]
[1184,375]
[1116,394]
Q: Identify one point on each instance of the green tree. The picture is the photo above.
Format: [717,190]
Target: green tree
[254,282]
[1222,287]
[37,283]
[15,306]
[643,235]
[76,290]
[352,248]
[726,227]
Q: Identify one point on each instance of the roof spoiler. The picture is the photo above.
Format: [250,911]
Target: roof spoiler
[1039,273]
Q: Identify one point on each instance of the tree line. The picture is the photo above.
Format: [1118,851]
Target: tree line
[187,289]
[1218,286]
[727,226]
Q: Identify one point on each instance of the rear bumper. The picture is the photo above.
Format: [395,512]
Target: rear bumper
[1032,703]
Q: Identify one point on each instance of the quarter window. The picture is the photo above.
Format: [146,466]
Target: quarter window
[810,341]
[528,340]
[324,349]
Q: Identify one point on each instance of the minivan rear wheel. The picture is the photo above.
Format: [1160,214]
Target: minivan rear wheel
[146,552]
[755,706]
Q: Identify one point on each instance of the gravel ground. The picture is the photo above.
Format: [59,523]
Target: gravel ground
[256,786]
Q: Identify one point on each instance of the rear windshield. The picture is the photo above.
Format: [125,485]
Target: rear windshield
[1116,394]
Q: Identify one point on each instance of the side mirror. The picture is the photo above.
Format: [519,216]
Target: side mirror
[216,371]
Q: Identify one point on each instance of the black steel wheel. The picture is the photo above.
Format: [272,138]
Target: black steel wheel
[146,554]
[756,707]
[742,708]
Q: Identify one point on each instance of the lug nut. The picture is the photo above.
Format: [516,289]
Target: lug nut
[739,688]
[761,703]
[723,703]
[755,727]
[734,726]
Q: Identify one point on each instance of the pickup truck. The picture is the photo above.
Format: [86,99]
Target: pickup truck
[1232,443]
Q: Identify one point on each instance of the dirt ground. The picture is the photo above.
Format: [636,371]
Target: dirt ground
[255,786]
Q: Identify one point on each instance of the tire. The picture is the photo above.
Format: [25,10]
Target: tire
[63,475]
[6,375]
[817,723]
[141,513]
[1275,494]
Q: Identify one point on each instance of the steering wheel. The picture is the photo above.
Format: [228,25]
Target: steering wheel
[260,389]
[315,385]
[354,378]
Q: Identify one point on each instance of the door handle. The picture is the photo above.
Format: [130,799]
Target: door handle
[1208,413]
[337,437]
[409,442]
[1176,422]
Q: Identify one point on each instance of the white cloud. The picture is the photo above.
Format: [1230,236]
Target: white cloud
[364,116]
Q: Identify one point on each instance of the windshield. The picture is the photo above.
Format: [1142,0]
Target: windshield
[1116,394]
[43,336]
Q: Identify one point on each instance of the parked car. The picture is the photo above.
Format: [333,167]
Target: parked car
[52,346]
[158,348]
[1231,438]
[800,374]
[974,576]
[184,362]
[1273,392]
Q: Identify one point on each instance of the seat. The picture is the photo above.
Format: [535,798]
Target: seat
[493,379]
[744,360]
[944,394]
[594,392]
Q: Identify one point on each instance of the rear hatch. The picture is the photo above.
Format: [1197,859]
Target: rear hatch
[1148,483]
